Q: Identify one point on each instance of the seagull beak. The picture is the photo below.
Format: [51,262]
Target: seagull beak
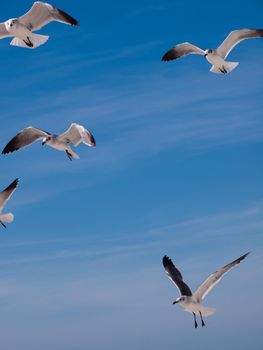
[175,302]
[205,54]
[43,143]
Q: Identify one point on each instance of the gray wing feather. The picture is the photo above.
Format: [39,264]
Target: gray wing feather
[214,278]
[24,138]
[182,50]
[236,37]
[3,32]
[175,276]
[77,134]
[42,13]
[7,193]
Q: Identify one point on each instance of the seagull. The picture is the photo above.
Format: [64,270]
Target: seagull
[215,57]
[4,196]
[75,134]
[191,302]
[40,14]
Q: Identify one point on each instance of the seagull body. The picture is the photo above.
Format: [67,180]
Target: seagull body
[39,15]
[4,197]
[218,56]
[191,302]
[75,135]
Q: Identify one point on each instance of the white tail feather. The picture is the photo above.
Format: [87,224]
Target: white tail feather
[226,68]
[35,39]
[207,311]
[73,154]
[7,217]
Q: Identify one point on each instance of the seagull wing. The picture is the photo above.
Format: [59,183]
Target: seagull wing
[235,37]
[3,32]
[77,134]
[175,276]
[182,50]
[213,279]
[42,13]
[24,138]
[7,193]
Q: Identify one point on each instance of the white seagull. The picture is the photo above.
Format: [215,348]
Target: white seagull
[40,14]
[191,302]
[215,57]
[75,135]
[4,196]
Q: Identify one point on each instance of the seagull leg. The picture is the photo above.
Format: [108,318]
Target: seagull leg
[3,224]
[196,325]
[203,324]
[222,70]
[69,155]
[29,42]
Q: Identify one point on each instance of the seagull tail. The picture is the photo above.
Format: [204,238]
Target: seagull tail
[207,311]
[9,217]
[226,68]
[34,41]
[73,154]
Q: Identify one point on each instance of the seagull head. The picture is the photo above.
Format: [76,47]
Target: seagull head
[45,140]
[207,52]
[178,300]
[11,22]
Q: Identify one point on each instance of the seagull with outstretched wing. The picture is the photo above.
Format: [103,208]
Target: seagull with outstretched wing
[4,197]
[75,135]
[215,57]
[40,14]
[191,302]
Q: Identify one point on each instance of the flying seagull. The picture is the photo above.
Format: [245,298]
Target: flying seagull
[4,196]
[74,135]
[40,14]
[191,302]
[215,57]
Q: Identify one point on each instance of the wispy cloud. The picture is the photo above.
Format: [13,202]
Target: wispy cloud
[124,282]
[146,114]
[245,223]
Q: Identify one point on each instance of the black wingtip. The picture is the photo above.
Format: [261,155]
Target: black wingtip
[166,260]
[169,56]
[11,146]
[9,149]
[13,185]
[68,18]
[244,256]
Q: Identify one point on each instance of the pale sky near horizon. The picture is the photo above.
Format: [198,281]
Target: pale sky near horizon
[177,170]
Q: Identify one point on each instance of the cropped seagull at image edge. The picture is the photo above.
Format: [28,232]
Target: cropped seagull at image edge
[40,14]
[191,302]
[75,135]
[215,57]
[4,197]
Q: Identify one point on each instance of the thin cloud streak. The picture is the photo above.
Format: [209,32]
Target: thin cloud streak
[140,123]
[246,222]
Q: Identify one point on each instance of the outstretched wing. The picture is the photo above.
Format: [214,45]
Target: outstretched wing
[175,276]
[77,134]
[214,278]
[7,193]
[235,37]
[24,138]
[182,50]
[3,32]
[42,13]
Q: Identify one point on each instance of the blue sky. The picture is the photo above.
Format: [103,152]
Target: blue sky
[177,171]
